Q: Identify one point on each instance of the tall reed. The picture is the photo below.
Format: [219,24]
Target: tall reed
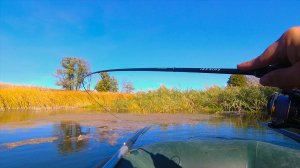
[162,100]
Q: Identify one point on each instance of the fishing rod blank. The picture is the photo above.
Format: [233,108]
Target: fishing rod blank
[257,73]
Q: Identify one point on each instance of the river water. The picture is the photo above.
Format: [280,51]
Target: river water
[82,139]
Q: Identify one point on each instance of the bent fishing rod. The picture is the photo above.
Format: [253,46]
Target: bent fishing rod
[257,72]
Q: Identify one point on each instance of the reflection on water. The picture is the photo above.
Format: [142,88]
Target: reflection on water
[237,122]
[108,135]
[71,137]
[15,116]
[24,115]
[85,143]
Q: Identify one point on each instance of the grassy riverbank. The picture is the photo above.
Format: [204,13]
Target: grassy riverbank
[212,100]
[35,98]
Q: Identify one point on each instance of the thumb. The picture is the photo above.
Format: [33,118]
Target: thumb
[285,78]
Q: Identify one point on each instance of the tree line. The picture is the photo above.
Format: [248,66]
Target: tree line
[72,71]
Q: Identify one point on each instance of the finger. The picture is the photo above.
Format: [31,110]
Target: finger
[268,57]
[285,78]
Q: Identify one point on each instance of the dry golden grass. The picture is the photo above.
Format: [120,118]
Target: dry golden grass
[251,100]
[25,97]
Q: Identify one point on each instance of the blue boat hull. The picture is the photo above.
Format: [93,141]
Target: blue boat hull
[212,154]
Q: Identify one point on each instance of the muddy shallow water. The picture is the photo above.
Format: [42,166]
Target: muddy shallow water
[87,139]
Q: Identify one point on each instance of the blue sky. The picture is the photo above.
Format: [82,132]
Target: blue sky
[36,35]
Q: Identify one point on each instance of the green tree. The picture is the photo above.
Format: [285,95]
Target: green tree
[107,83]
[81,70]
[237,80]
[71,74]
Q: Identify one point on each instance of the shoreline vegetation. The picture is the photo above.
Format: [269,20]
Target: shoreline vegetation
[215,100]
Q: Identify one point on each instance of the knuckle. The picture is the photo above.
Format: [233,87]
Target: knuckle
[292,35]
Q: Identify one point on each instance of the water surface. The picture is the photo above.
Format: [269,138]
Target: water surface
[87,139]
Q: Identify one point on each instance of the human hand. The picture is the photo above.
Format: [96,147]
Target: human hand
[285,51]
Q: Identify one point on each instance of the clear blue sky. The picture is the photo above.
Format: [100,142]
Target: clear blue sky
[35,35]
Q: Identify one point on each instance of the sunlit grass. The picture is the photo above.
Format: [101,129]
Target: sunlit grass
[23,97]
[250,100]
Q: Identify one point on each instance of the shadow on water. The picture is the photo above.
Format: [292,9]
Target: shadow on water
[71,137]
